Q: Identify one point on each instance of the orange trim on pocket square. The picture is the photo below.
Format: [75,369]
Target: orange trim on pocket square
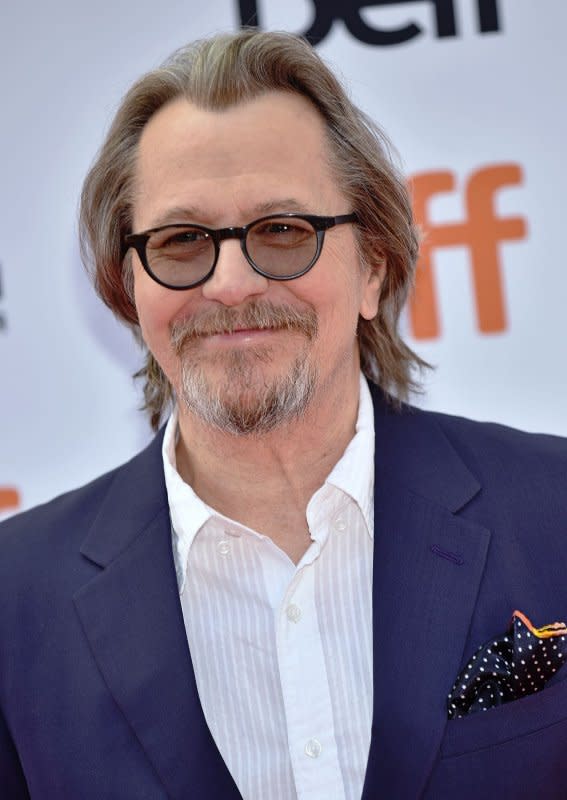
[546,632]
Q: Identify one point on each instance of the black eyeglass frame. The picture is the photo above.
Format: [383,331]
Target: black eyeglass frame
[320,224]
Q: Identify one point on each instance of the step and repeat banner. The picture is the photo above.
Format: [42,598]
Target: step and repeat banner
[471,92]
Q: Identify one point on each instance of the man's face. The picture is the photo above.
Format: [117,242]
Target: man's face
[227,168]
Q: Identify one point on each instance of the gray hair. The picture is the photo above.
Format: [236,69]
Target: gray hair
[220,72]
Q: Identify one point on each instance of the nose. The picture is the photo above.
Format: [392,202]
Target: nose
[233,280]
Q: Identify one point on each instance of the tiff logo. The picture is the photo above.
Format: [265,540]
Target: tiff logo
[327,12]
[9,499]
[481,232]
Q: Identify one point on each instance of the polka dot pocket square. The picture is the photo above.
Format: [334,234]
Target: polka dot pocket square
[511,666]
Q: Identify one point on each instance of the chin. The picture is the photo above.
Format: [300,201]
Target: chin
[249,401]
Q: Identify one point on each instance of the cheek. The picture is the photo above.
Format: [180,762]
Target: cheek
[336,305]
[335,291]
[156,307]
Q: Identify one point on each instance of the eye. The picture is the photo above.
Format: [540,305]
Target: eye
[282,232]
[188,236]
[173,239]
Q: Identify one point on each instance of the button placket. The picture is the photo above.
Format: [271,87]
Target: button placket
[313,748]
[307,701]
[293,612]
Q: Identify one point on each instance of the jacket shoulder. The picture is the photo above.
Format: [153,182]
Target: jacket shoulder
[488,448]
[51,523]
[60,524]
[523,480]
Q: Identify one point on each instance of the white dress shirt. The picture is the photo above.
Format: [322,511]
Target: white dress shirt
[283,653]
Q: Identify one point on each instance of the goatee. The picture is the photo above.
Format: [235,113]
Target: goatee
[245,401]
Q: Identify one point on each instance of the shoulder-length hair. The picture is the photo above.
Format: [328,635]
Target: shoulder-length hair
[217,73]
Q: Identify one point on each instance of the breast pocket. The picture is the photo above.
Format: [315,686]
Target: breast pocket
[509,721]
[517,751]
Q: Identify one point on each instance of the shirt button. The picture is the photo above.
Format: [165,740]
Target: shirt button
[293,613]
[313,748]
[223,547]
[340,524]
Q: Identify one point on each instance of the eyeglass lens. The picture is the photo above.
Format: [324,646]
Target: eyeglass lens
[280,247]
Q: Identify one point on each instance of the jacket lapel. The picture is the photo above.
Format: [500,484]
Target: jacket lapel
[132,618]
[428,564]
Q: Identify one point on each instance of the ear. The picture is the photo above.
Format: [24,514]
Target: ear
[372,286]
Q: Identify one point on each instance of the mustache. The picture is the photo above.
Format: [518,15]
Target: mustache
[258,315]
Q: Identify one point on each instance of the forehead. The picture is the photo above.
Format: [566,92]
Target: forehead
[255,154]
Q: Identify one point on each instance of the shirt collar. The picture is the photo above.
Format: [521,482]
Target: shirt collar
[353,475]
[187,511]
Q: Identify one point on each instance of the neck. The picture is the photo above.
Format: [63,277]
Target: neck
[265,482]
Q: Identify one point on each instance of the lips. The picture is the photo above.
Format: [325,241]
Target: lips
[240,332]
[248,330]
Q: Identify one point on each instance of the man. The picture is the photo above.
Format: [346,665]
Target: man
[275,598]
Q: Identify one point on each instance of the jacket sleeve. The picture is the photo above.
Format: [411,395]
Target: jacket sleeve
[12,780]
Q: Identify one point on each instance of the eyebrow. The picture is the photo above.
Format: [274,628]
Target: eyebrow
[186,214]
[287,204]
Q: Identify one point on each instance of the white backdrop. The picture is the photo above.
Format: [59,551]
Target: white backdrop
[458,106]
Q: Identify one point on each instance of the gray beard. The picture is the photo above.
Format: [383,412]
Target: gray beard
[237,406]
[244,402]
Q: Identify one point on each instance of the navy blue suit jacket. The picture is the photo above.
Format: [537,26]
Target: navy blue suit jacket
[97,692]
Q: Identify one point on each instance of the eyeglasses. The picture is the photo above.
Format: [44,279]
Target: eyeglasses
[280,247]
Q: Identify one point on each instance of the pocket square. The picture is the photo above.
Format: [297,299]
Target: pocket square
[513,665]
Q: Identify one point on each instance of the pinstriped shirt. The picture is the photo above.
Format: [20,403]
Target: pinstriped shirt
[282,652]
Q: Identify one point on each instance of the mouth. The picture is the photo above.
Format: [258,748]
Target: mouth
[241,335]
[246,329]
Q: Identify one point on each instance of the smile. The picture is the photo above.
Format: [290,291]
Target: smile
[242,335]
